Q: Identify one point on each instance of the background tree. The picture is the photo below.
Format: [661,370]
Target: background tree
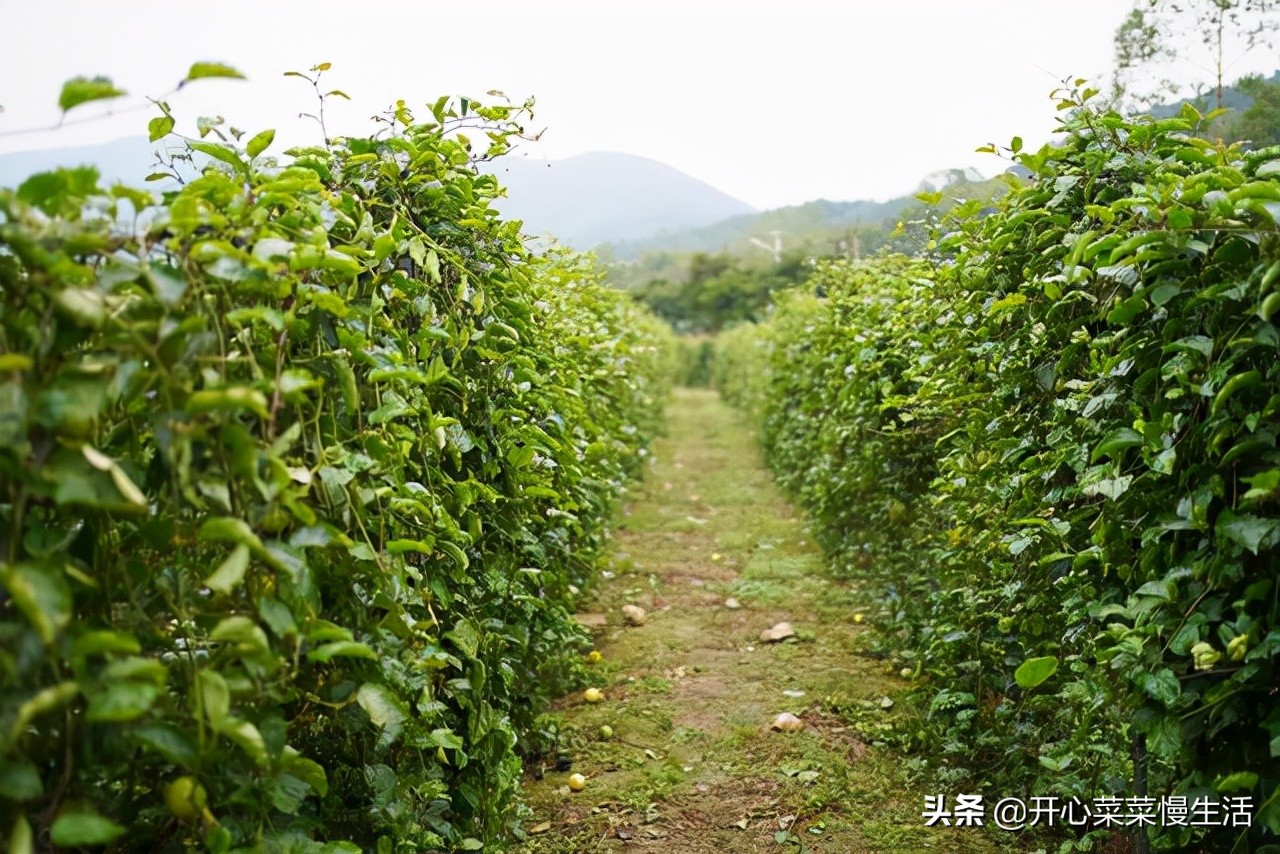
[1257,125]
[1208,34]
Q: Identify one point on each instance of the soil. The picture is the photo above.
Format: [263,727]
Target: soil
[693,765]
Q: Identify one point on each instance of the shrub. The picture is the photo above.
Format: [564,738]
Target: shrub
[299,470]
[1059,459]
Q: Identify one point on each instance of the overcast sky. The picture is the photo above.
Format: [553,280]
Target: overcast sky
[773,103]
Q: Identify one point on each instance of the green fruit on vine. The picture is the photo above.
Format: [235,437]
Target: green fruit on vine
[606,732]
[185,798]
[274,521]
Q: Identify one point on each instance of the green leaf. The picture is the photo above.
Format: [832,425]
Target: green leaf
[128,489]
[167,282]
[228,529]
[46,700]
[444,737]
[74,827]
[220,152]
[340,649]
[21,837]
[227,577]
[15,362]
[1180,219]
[1247,530]
[1116,441]
[465,636]
[20,781]
[121,701]
[1262,486]
[1035,671]
[1111,487]
[1163,293]
[202,70]
[214,696]
[260,143]
[453,551]
[246,736]
[82,90]
[306,770]
[247,636]
[99,641]
[84,307]
[230,400]
[137,668]
[1008,303]
[1126,311]
[42,595]
[286,793]
[1239,781]
[1162,685]
[396,547]
[177,746]
[205,124]
[383,709]
[159,127]
[277,616]
[340,262]
[1164,739]
[1162,589]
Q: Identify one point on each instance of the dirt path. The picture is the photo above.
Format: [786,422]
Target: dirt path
[693,765]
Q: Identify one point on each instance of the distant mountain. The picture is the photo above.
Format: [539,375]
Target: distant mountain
[607,196]
[1232,99]
[583,201]
[128,160]
[739,232]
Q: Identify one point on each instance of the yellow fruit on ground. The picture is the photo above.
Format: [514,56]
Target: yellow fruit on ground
[857,618]
[595,657]
[592,695]
[185,798]
[577,782]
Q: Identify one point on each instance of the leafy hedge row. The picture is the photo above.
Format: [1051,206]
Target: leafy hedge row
[299,472]
[1052,444]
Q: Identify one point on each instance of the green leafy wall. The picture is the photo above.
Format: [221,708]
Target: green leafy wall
[299,474]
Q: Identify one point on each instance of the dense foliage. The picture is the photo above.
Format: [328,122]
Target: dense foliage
[716,291]
[300,469]
[1053,447]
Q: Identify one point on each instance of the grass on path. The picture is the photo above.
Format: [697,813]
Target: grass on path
[693,765]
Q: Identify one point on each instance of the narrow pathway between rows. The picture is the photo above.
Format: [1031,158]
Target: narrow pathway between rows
[693,764]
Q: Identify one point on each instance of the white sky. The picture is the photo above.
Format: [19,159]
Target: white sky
[773,103]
